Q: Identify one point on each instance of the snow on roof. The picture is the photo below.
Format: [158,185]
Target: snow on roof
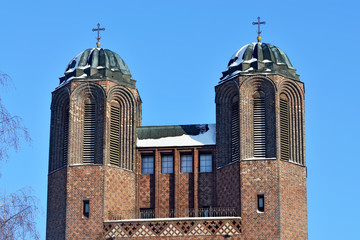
[177,136]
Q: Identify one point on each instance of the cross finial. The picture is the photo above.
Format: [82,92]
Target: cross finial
[98,29]
[258,31]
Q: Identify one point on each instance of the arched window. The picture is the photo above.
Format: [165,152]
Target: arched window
[235,130]
[259,125]
[115,133]
[284,128]
[89,131]
[65,146]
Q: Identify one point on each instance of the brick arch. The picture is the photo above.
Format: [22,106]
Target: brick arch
[123,99]
[83,93]
[58,133]
[249,89]
[227,127]
[295,97]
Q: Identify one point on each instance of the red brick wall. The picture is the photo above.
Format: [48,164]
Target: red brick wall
[260,177]
[146,189]
[119,201]
[85,183]
[184,193]
[206,186]
[293,201]
[56,208]
[166,191]
[228,186]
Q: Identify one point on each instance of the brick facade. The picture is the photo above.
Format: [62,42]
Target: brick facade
[56,205]
[220,203]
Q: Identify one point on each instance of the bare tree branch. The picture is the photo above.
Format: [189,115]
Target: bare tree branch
[12,129]
[19,210]
[18,213]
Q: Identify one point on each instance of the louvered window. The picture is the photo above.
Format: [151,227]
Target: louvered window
[259,128]
[115,135]
[284,129]
[66,137]
[235,132]
[89,133]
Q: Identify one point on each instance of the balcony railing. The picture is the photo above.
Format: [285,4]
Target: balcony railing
[147,213]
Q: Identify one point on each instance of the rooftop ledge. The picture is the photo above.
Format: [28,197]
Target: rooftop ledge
[172,219]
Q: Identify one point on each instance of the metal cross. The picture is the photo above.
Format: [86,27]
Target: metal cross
[258,23]
[98,29]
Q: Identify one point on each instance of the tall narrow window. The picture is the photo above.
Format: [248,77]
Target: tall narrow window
[235,131]
[89,132]
[205,163]
[115,134]
[284,128]
[86,208]
[261,202]
[259,125]
[186,163]
[66,137]
[167,164]
[147,164]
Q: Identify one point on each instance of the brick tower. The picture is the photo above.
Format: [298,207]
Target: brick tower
[241,178]
[260,143]
[94,114]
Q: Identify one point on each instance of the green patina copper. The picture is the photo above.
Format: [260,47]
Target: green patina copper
[98,63]
[259,58]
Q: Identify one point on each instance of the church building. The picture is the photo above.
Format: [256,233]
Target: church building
[241,178]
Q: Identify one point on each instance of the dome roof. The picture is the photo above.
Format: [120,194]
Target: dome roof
[259,58]
[97,63]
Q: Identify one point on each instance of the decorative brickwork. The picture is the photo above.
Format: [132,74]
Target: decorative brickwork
[260,177]
[206,196]
[84,183]
[56,208]
[166,199]
[146,189]
[119,199]
[228,186]
[211,228]
[293,215]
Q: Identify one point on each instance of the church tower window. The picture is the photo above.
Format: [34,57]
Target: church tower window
[261,202]
[115,134]
[86,208]
[235,130]
[66,137]
[259,126]
[89,132]
[284,128]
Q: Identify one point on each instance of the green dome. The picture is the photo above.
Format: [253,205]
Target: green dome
[97,63]
[259,58]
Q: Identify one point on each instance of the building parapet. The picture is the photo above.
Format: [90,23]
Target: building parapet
[225,227]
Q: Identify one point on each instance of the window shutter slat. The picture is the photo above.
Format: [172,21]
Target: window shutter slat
[259,128]
[235,132]
[66,138]
[89,134]
[115,136]
[284,130]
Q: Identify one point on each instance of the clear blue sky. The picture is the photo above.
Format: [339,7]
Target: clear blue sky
[176,50]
